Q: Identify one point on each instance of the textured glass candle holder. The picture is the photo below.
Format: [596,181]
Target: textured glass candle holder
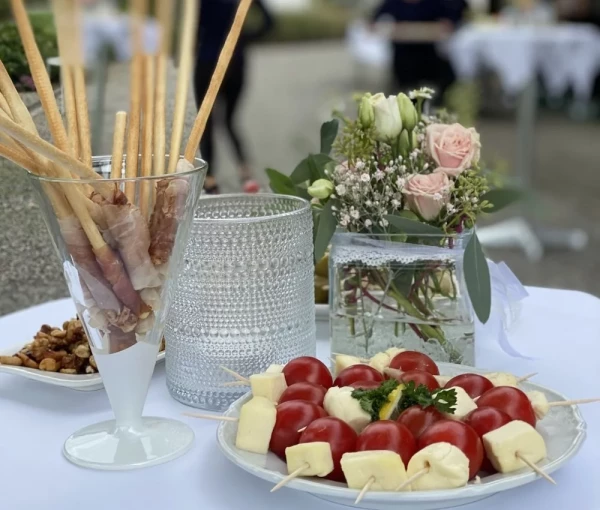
[245,297]
[121,256]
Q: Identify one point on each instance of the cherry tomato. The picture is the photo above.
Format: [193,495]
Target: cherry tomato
[420,377]
[460,435]
[291,417]
[484,420]
[307,369]
[417,419]
[309,392]
[412,360]
[388,435]
[474,384]
[510,400]
[340,436]
[357,373]
[366,385]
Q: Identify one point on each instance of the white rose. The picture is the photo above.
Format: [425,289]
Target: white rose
[388,123]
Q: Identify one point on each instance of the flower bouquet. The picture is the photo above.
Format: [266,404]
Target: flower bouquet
[396,194]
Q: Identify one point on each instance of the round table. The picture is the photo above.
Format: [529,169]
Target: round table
[558,327]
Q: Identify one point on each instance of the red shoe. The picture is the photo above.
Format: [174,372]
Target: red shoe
[251,186]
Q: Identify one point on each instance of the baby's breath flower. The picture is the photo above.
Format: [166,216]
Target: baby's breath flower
[340,189]
[365,177]
[368,223]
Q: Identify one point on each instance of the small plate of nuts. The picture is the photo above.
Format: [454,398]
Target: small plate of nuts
[58,356]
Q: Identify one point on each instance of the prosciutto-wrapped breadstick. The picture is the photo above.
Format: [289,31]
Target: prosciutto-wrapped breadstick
[130,232]
[171,195]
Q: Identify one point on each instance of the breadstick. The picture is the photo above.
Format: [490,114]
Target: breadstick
[116,170]
[186,61]
[216,80]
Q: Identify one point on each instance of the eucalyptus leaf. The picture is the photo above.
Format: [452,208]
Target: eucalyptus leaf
[324,230]
[403,279]
[311,169]
[477,278]
[412,227]
[280,183]
[317,164]
[301,173]
[501,198]
[329,131]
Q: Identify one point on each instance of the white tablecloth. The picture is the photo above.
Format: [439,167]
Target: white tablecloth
[565,55]
[560,327]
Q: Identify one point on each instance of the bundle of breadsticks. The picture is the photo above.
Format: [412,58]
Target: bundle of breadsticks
[119,234]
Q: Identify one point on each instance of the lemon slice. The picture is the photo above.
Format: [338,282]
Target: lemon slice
[390,409]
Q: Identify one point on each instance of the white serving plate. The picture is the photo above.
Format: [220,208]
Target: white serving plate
[86,382]
[563,430]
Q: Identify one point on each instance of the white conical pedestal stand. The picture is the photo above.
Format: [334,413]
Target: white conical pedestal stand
[129,441]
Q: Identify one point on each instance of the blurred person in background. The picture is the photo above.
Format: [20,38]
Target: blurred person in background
[216,17]
[420,25]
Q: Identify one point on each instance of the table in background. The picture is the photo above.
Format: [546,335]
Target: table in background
[564,56]
[559,327]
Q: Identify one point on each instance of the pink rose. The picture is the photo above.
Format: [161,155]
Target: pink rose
[427,194]
[453,147]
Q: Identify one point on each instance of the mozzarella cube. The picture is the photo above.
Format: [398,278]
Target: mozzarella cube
[539,402]
[342,361]
[384,466]
[268,385]
[448,467]
[256,424]
[502,379]
[442,380]
[340,403]
[392,352]
[464,404]
[517,437]
[380,362]
[274,369]
[315,457]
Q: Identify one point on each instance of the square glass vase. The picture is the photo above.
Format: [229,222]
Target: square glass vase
[397,291]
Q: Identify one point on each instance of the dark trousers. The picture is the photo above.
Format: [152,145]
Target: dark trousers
[417,65]
[229,95]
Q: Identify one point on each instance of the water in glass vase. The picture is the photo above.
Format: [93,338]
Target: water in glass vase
[348,337]
[398,291]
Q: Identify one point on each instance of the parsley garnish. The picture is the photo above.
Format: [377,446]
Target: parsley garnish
[372,401]
[443,400]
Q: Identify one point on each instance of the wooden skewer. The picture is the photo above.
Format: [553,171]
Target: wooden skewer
[236,375]
[236,383]
[216,80]
[40,76]
[526,377]
[566,403]
[186,61]
[147,134]
[413,478]
[362,360]
[364,490]
[212,417]
[536,469]
[165,18]
[116,170]
[298,472]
